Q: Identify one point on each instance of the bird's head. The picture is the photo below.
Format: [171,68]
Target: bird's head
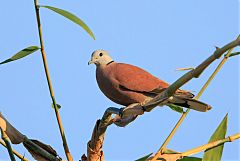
[100,57]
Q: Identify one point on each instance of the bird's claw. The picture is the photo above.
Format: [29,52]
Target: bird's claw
[120,113]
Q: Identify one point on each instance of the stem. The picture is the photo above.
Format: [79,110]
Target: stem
[214,74]
[197,97]
[66,149]
[211,145]
[14,152]
[8,145]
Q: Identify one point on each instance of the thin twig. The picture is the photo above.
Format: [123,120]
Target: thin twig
[8,145]
[173,156]
[211,145]
[14,152]
[65,145]
[214,74]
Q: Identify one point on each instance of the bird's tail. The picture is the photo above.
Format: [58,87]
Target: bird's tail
[190,103]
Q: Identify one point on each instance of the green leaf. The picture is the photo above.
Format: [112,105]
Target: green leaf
[234,54]
[216,153]
[144,158]
[190,159]
[176,108]
[71,17]
[21,54]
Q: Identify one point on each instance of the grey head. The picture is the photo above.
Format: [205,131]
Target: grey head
[100,57]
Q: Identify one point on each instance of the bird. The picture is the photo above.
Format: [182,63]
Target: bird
[126,84]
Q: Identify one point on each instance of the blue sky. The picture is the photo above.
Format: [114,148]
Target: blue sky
[158,36]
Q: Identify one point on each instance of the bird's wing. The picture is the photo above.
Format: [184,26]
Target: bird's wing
[136,79]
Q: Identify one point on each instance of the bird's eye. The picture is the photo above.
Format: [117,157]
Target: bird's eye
[100,54]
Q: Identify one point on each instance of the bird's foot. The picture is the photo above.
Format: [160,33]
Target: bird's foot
[120,113]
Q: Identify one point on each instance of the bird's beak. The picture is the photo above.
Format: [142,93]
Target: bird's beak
[90,62]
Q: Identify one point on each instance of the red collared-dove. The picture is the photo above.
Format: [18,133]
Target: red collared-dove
[126,84]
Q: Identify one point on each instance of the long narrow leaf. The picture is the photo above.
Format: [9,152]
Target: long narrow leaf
[215,154]
[71,17]
[21,54]
[176,108]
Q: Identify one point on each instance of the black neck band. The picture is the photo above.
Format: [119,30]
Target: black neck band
[110,62]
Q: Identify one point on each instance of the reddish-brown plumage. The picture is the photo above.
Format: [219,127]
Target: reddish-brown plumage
[126,84]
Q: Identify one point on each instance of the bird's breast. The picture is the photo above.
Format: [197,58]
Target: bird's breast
[110,86]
